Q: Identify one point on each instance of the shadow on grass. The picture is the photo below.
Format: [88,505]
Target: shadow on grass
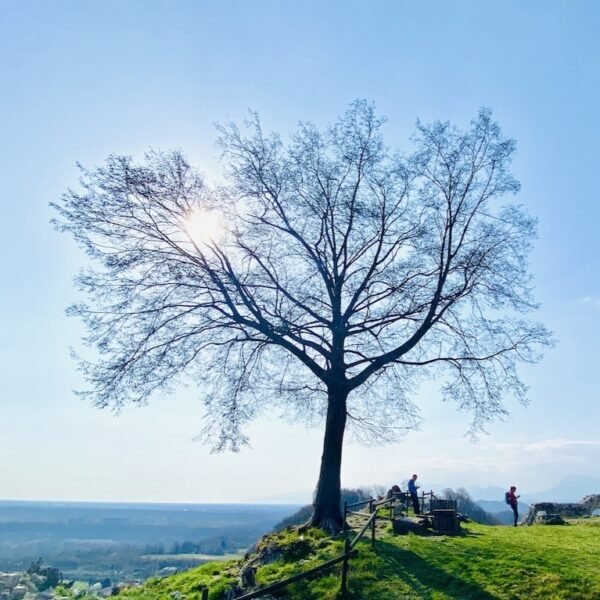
[468,533]
[426,579]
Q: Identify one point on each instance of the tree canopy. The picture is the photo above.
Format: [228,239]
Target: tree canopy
[323,280]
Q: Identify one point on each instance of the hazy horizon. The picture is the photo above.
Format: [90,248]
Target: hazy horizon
[295,498]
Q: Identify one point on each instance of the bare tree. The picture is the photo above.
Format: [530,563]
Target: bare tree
[344,272]
[468,507]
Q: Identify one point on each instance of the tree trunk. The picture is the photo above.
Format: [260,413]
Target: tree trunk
[327,512]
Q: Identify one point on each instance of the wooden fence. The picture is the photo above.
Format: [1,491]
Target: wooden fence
[374,510]
[344,558]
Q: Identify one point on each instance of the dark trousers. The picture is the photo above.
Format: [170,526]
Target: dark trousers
[516,511]
[415,503]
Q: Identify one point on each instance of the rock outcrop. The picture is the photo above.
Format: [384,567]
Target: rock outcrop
[404,525]
[592,501]
[562,509]
[543,518]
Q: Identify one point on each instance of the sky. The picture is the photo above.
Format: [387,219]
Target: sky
[82,80]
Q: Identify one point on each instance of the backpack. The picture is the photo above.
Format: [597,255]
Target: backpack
[507,497]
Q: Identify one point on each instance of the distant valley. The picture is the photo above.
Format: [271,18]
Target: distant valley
[570,489]
[96,541]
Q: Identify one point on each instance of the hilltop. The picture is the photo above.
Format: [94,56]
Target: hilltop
[484,562]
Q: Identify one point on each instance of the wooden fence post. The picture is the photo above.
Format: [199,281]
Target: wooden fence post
[373,530]
[345,566]
[345,526]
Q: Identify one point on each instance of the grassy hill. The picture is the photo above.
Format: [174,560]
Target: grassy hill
[484,563]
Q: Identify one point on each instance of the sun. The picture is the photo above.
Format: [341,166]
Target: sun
[204,226]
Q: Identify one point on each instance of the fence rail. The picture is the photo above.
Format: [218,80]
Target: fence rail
[350,550]
[273,587]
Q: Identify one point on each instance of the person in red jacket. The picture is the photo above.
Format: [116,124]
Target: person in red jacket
[513,501]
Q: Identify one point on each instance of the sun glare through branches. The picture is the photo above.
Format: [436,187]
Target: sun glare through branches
[204,226]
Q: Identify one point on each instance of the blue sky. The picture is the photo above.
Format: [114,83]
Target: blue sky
[81,80]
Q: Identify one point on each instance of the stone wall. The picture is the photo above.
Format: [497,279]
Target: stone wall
[592,501]
[564,509]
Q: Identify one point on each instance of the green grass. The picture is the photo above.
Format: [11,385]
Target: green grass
[191,557]
[219,576]
[484,563]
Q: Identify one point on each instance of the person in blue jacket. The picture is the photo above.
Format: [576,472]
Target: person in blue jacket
[414,495]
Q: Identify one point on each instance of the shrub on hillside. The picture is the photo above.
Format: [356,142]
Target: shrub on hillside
[467,506]
[303,515]
[298,518]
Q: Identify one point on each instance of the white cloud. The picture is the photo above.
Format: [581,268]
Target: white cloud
[487,461]
[593,301]
[546,445]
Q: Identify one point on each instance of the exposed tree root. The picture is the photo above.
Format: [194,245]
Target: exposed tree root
[330,525]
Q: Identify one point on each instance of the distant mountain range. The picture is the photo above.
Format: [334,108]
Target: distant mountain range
[496,507]
[570,489]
